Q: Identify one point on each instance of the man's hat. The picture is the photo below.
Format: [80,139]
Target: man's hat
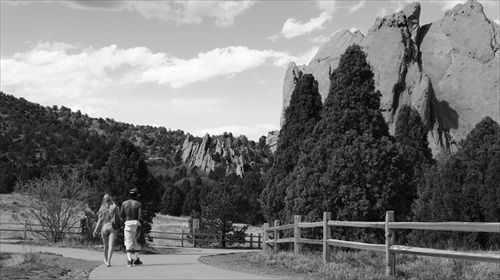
[134,191]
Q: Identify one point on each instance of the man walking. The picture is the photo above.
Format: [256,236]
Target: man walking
[132,211]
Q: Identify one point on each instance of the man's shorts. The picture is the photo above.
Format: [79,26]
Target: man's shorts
[130,231]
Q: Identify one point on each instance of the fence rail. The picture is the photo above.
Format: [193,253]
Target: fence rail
[254,240]
[389,226]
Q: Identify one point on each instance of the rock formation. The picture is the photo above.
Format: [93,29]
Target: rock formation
[447,70]
[235,154]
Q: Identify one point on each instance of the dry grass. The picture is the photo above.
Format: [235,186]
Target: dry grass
[171,227]
[13,214]
[358,265]
[13,211]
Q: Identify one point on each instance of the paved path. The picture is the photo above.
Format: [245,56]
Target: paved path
[181,265]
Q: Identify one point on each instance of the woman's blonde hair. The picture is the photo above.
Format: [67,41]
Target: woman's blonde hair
[106,207]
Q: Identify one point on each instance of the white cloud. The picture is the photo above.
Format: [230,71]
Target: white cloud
[449,5]
[293,28]
[329,6]
[218,62]
[181,12]
[357,6]
[306,57]
[64,70]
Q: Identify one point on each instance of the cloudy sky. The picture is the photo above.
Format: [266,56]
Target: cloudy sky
[199,66]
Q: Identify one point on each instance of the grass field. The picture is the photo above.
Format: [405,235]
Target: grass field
[13,211]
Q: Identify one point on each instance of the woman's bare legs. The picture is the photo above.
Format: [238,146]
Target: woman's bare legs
[105,242]
[111,243]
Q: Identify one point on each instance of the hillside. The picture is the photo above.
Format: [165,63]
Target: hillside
[36,140]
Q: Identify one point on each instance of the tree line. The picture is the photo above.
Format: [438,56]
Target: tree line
[339,157]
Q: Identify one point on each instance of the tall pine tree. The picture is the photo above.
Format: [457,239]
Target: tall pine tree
[125,170]
[301,116]
[350,164]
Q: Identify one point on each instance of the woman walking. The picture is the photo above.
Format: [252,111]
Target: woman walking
[106,213]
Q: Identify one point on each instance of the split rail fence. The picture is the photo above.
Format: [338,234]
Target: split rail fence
[389,247]
[253,240]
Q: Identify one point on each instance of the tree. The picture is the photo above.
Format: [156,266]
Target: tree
[301,116]
[350,164]
[464,187]
[56,201]
[125,170]
[220,210]
[172,201]
[411,137]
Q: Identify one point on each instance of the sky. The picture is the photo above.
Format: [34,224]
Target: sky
[198,66]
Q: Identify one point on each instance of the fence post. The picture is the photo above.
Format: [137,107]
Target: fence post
[251,240]
[327,234]
[194,238]
[259,244]
[296,235]
[265,246]
[390,258]
[25,228]
[182,237]
[276,236]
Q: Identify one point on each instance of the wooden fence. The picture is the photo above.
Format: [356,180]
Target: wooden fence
[389,247]
[254,240]
[25,228]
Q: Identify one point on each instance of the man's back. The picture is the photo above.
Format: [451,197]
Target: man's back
[131,209]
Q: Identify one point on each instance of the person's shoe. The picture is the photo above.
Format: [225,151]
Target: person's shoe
[137,262]
[108,264]
[129,263]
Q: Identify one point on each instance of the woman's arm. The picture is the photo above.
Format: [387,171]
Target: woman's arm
[97,225]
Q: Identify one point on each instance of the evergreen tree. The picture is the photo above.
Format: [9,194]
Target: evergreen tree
[411,137]
[350,164]
[220,210]
[301,116]
[125,170]
[464,187]
[172,201]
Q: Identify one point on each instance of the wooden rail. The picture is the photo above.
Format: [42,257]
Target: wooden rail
[389,247]
[254,240]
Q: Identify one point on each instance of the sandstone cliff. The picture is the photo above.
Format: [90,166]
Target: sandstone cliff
[447,70]
[235,154]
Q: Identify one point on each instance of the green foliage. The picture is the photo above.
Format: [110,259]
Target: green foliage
[171,201]
[301,116]
[463,187]
[349,165]
[220,210]
[125,170]
[411,137]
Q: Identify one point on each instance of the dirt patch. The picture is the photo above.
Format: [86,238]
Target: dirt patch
[44,266]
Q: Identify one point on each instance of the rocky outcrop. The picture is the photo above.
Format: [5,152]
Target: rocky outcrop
[272,140]
[235,154]
[293,73]
[447,70]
